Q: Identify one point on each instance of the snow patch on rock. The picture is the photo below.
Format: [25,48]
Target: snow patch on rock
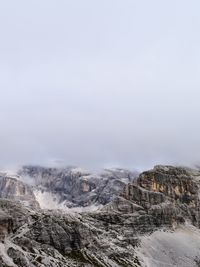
[50,201]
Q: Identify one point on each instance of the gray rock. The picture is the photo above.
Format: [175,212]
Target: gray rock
[78,188]
[161,199]
[13,188]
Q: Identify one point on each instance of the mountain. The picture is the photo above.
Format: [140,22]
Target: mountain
[73,187]
[154,221]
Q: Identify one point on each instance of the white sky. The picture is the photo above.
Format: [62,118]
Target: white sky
[100,83]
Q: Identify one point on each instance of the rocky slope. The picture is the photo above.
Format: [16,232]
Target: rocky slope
[153,222]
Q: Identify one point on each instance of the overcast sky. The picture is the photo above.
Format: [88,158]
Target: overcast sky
[100,83]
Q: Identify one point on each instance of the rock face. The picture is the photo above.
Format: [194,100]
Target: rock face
[13,188]
[159,201]
[174,192]
[74,187]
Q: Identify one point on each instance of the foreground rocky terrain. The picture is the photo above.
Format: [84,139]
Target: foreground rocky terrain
[153,221]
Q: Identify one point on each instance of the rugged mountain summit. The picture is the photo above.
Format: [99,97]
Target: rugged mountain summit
[133,230]
[172,192]
[74,187]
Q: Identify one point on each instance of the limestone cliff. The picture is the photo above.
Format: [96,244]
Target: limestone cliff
[13,188]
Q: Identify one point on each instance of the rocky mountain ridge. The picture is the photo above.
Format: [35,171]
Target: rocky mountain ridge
[132,230]
[73,187]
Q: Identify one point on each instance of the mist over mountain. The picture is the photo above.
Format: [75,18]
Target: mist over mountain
[99,84]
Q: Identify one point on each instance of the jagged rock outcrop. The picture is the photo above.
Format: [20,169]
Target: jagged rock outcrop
[172,192]
[158,201]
